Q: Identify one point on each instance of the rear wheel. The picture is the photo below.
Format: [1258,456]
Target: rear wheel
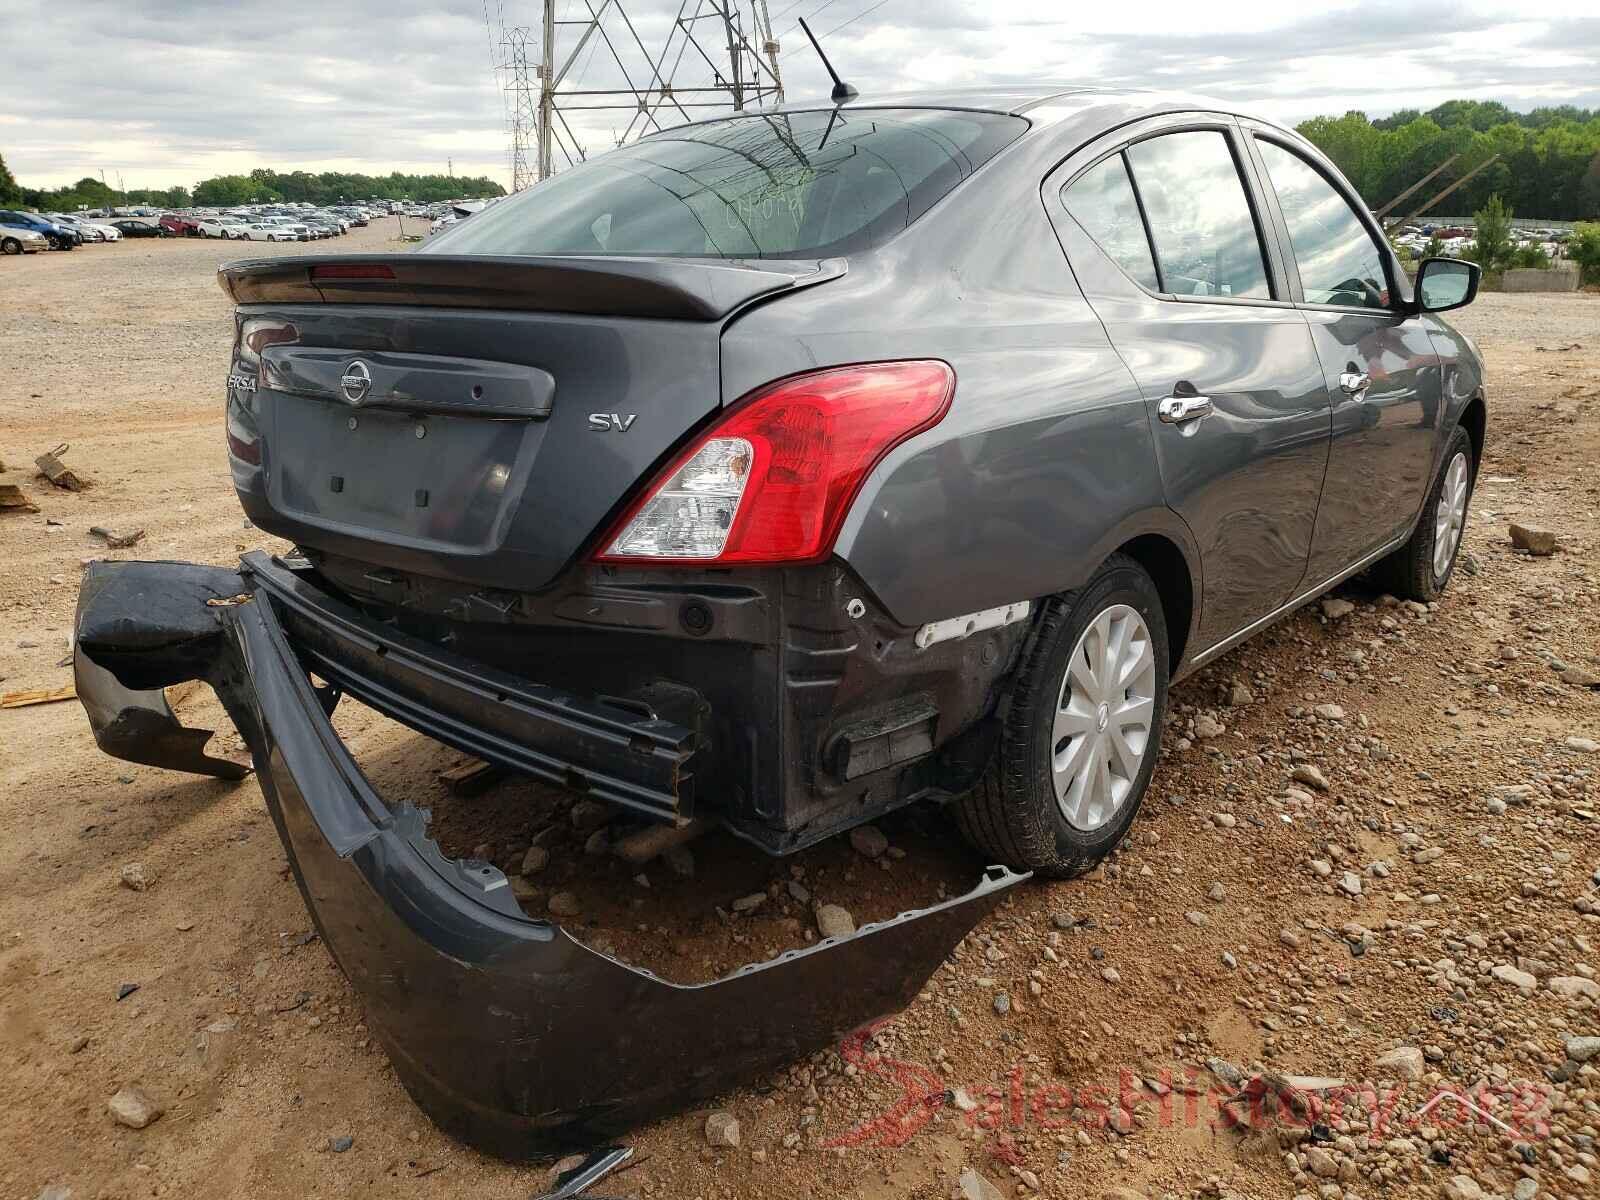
[1421,569]
[1082,731]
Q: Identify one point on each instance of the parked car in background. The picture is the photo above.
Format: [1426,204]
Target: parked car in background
[141,227]
[14,240]
[60,237]
[221,227]
[85,234]
[180,225]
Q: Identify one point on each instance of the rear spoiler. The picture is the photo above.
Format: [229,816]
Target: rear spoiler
[673,289]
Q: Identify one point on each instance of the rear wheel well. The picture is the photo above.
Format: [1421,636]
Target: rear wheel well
[1166,566]
[1475,419]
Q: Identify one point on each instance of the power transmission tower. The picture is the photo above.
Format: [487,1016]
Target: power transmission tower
[710,35]
[521,115]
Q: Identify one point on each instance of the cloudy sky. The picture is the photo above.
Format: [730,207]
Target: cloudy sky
[161,92]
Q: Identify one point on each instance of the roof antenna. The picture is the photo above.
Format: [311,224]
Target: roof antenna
[842,91]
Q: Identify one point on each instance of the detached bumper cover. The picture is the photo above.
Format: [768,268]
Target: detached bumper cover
[508,1032]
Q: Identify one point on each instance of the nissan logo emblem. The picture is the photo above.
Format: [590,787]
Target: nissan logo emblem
[356,382]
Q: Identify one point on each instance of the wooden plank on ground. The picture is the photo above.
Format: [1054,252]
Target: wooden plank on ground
[13,499]
[472,777]
[653,841]
[29,696]
[57,472]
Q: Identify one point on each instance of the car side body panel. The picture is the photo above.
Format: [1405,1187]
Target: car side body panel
[1385,437]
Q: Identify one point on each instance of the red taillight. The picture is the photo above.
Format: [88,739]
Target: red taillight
[352,271]
[772,481]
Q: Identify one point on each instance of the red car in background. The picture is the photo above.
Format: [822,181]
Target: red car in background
[180,226]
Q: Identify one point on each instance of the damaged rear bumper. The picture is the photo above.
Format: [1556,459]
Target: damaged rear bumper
[511,1034]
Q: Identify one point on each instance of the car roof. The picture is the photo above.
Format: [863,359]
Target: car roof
[1016,98]
[1085,106]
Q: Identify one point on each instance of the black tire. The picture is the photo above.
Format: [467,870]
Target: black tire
[1012,816]
[10,245]
[1409,572]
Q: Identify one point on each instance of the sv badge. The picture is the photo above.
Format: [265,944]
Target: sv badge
[612,422]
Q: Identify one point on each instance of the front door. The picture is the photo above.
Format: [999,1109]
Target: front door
[1381,371]
[1227,366]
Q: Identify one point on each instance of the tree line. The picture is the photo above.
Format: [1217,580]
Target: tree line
[1548,169]
[259,187]
[1549,166]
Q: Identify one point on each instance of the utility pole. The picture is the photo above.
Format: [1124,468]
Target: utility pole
[1422,208]
[547,90]
[1405,195]
[769,47]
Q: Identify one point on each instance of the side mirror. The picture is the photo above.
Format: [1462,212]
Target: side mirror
[1446,283]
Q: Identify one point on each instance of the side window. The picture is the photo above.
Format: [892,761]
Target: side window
[1200,221]
[1338,260]
[1102,201]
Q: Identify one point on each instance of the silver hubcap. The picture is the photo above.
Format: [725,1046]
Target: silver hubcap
[1104,718]
[1450,516]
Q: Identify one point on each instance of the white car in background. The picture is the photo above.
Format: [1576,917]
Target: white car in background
[86,232]
[221,227]
[267,231]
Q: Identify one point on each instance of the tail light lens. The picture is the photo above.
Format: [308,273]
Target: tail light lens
[772,481]
[257,333]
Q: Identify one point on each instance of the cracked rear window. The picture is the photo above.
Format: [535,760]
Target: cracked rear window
[779,185]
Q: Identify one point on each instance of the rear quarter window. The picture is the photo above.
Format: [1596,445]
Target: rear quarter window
[776,185]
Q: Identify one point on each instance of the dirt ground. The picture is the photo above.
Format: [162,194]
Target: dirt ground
[1442,894]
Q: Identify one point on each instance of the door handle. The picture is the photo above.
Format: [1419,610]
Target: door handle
[1175,410]
[1355,382]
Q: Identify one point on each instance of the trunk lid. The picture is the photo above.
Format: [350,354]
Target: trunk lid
[472,419]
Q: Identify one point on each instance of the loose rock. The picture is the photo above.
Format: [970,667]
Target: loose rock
[565,904]
[135,876]
[1404,1062]
[1506,973]
[134,1107]
[975,1187]
[722,1129]
[1309,775]
[535,860]
[1539,542]
[834,921]
[868,840]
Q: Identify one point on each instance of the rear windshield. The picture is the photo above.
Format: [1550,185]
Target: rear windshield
[779,185]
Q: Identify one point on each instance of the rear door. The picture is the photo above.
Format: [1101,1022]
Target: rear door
[1165,240]
[1381,372]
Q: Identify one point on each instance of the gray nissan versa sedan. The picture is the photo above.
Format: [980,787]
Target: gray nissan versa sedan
[781,470]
